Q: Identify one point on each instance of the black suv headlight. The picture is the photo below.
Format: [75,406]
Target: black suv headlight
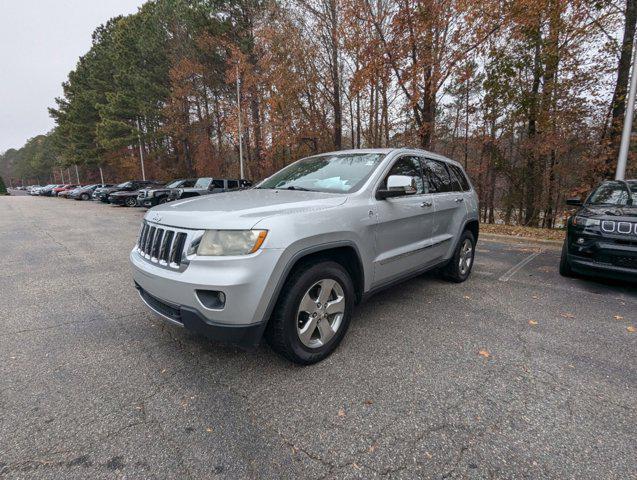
[586,222]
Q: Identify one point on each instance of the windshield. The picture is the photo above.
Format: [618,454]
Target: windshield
[124,185]
[203,182]
[337,173]
[174,184]
[614,193]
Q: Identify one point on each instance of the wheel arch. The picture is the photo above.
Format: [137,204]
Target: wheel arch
[345,253]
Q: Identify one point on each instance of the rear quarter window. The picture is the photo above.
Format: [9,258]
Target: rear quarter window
[461,177]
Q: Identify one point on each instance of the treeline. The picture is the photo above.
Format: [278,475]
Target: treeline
[529,94]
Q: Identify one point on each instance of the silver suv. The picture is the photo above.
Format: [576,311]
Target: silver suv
[291,257]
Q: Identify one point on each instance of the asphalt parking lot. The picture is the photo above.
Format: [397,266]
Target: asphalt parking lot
[516,373]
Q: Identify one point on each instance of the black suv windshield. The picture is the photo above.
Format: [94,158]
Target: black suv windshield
[336,173]
[614,193]
[125,184]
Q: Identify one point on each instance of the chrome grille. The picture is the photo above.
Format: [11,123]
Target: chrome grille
[625,228]
[163,245]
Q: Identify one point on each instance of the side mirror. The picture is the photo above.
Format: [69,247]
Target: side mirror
[398,186]
[574,202]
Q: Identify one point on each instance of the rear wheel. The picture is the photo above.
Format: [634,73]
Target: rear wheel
[565,266]
[131,202]
[313,313]
[459,267]
[85,196]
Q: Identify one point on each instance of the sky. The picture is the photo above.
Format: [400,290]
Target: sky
[40,42]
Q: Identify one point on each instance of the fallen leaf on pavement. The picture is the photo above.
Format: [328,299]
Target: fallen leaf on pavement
[618,317]
[532,322]
[341,412]
[368,402]
[484,353]
[208,429]
[567,315]
[631,329]
[467,297]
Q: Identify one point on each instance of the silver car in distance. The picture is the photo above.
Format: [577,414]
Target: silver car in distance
[290,258]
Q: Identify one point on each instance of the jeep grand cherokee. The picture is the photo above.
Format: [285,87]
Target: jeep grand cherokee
[291,257]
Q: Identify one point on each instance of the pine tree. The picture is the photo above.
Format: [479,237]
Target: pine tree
[3,188]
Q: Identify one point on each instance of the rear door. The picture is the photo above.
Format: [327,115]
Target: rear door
[450,206]
[404,226]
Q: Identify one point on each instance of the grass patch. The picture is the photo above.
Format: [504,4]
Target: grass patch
[523,232]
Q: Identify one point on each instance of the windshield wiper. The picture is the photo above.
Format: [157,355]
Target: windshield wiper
[292,187]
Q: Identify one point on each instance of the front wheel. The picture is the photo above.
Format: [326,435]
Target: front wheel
[131,202]
[313,312]
[565,266]
[85,196]
[459,267]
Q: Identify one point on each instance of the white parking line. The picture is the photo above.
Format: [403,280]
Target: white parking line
[516,268]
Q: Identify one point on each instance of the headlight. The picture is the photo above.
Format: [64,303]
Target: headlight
[586,222]
[231,242]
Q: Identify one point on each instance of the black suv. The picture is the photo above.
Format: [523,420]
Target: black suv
[601,236]
[130,186]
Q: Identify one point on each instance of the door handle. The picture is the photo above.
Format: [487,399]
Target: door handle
[426,204]
[458,200]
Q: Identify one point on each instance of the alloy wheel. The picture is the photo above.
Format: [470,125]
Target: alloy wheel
[320,313]
[466,256]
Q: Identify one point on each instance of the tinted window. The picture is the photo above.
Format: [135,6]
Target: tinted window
[460,175]
[437,176]
[409,166]
[233,184]
[217,184]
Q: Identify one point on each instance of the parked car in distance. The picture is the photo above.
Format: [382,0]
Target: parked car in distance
[61,188]
[47,190]
[131,186]
[67,192]
[601,236]
[149,197]
[86,192]
[208,185]
[34,189]
[128,198]
[291,257]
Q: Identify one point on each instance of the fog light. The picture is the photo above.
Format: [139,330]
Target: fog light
[580,241]
[212,299]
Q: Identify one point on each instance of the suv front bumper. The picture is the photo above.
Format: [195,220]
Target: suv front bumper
[249,285]
[612,257]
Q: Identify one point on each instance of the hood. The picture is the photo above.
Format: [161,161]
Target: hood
[609,211]
[241,209]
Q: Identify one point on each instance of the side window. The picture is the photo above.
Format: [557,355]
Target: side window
[438,176]
[460,175]
[409,166]
[217,184]
[233,184]
[188,184]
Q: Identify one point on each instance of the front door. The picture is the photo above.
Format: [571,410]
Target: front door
[404,226]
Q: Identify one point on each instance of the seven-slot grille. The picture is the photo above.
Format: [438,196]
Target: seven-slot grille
[162,245]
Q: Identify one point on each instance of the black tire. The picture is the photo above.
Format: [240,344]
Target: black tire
[281,332]
[84,196]
[162,200]
[452,271]
[131,202]
[565,267]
